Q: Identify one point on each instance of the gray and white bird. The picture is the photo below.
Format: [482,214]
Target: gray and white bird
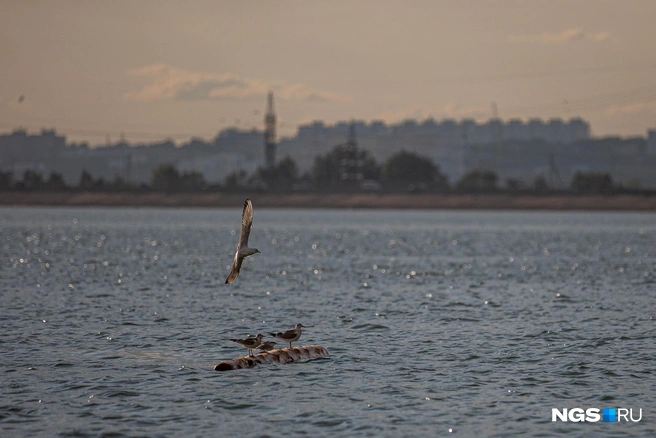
[250,343]
[243,250]
[267,346]
[291,335]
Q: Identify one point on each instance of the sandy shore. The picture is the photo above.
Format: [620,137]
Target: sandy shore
[320,200]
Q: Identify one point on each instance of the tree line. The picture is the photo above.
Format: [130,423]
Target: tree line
[403,171]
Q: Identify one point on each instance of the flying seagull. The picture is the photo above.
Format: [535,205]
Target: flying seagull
[291,335]
[243,250]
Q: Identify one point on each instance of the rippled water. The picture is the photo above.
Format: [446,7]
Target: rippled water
[438,323]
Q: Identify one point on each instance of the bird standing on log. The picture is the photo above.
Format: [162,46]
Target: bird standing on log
[291,335]
[250,343]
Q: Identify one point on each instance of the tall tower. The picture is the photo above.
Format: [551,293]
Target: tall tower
[270,134]
[128,168]
[349,165]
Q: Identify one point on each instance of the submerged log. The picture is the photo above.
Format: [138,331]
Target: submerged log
[282,355]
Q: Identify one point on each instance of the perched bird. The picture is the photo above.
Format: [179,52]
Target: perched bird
[291,335]
[267,346]
[250,343]
[243,250]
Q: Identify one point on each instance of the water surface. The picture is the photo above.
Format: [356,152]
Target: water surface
[438,323]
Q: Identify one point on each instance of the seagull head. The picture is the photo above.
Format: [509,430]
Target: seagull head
[245,252]
[299,325]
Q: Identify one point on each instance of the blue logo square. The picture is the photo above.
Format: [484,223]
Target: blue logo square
[609,415]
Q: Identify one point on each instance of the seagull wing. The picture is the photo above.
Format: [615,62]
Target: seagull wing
[287,334]
[236,267]
[246,224]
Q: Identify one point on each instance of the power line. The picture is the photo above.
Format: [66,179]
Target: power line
[591,102]
[103,133]
[519,76]
[553,73]
[647,93]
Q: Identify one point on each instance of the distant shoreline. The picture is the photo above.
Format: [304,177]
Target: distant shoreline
[620,202]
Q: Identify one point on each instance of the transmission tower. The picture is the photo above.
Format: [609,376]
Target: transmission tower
[349,165]
[497,135]
[554,176]
[128,168]
[270,134]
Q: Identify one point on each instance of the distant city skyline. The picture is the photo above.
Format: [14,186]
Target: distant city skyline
[156,69]
[554,150]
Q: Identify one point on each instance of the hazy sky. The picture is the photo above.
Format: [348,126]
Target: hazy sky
[152,69]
